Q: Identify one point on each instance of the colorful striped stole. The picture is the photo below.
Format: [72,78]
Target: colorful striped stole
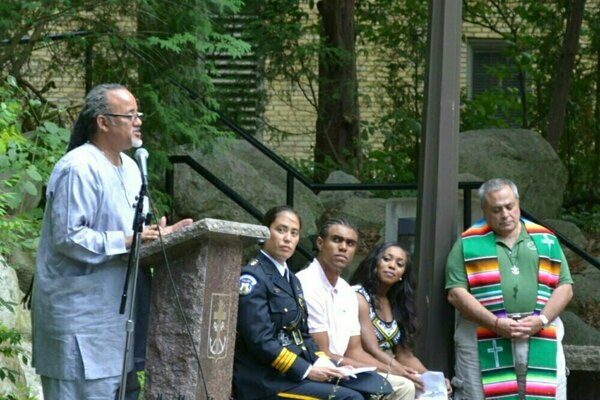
[495,352]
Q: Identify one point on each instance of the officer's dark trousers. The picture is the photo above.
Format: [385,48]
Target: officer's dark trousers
[359,388]
[318,390]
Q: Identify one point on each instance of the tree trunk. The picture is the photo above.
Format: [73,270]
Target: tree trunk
[337,137]
[562,81]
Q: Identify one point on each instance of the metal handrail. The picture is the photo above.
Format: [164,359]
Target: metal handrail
[223,187]
[466,187]
[566,241]
[292,173]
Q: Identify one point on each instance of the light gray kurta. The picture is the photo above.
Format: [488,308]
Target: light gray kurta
[80,269]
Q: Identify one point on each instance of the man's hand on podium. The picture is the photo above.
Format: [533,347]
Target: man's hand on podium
[167,229]
[151,232]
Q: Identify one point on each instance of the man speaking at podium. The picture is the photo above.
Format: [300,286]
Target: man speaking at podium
[78,332]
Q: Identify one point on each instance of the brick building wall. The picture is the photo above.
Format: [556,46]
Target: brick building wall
[295,116]
[289,118]
[69,88]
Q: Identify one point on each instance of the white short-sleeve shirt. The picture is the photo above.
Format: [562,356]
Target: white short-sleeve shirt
[330,309]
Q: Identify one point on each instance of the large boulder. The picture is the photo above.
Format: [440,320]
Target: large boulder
[577,332]
[522,156]
[24,264]
[367,214]
[586,285]
[332,198]
[248,172]
[582,316]
[20,320]
[572,232]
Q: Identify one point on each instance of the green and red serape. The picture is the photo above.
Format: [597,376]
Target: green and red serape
[495,352]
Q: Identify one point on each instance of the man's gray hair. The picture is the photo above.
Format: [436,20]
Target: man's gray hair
[495,184]
[95,104]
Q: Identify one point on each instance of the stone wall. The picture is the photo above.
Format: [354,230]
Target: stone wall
[19,319]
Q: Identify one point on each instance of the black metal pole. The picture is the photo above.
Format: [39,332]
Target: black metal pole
[290,189]
[132,271]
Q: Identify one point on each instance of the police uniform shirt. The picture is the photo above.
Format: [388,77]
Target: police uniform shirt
[274,350]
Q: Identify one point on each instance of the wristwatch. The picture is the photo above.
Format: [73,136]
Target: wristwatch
[544,320]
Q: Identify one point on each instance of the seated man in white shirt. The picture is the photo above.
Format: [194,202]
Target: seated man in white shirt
[333,308]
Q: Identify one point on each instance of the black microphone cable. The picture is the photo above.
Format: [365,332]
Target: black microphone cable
[178,300]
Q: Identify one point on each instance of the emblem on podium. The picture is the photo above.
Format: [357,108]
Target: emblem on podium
[218,325]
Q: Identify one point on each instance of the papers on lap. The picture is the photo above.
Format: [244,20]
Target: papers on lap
[352,372]
[347,371]
[435,386]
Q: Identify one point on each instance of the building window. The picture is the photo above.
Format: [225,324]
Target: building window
[489,67]
[238,80]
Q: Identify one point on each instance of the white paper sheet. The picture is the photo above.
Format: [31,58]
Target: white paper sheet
[435,386]
[346,370]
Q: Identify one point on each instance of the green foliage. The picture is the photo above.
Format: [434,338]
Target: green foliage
[394,161]
[26,160]
[10,341]
[390,163]
[141,376]
[23,393]
[287,37]
[150,44]
[397,33]
[158,64]
[495,108]
[10,347]
[154,47]
[534,33]
[585,217]
[175,89]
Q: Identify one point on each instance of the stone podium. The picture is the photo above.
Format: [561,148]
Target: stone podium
[205,261]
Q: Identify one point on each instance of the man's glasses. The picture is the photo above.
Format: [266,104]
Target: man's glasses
[130,117]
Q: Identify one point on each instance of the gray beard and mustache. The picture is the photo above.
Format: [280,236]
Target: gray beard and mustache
[136,143]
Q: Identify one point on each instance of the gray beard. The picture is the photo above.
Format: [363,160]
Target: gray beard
[136,143]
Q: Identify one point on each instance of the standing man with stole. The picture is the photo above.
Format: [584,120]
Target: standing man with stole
[509,279]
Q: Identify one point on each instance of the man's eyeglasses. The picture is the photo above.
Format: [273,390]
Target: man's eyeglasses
[130,117]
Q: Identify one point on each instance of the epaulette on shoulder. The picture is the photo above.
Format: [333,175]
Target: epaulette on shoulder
[253,262]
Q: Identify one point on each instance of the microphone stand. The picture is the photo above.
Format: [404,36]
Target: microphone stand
[132,266]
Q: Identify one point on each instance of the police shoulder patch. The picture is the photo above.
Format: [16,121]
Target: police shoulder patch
[247,284]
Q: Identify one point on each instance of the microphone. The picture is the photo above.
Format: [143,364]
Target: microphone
[141,156]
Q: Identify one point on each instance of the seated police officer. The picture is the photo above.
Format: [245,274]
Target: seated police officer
[274,351]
